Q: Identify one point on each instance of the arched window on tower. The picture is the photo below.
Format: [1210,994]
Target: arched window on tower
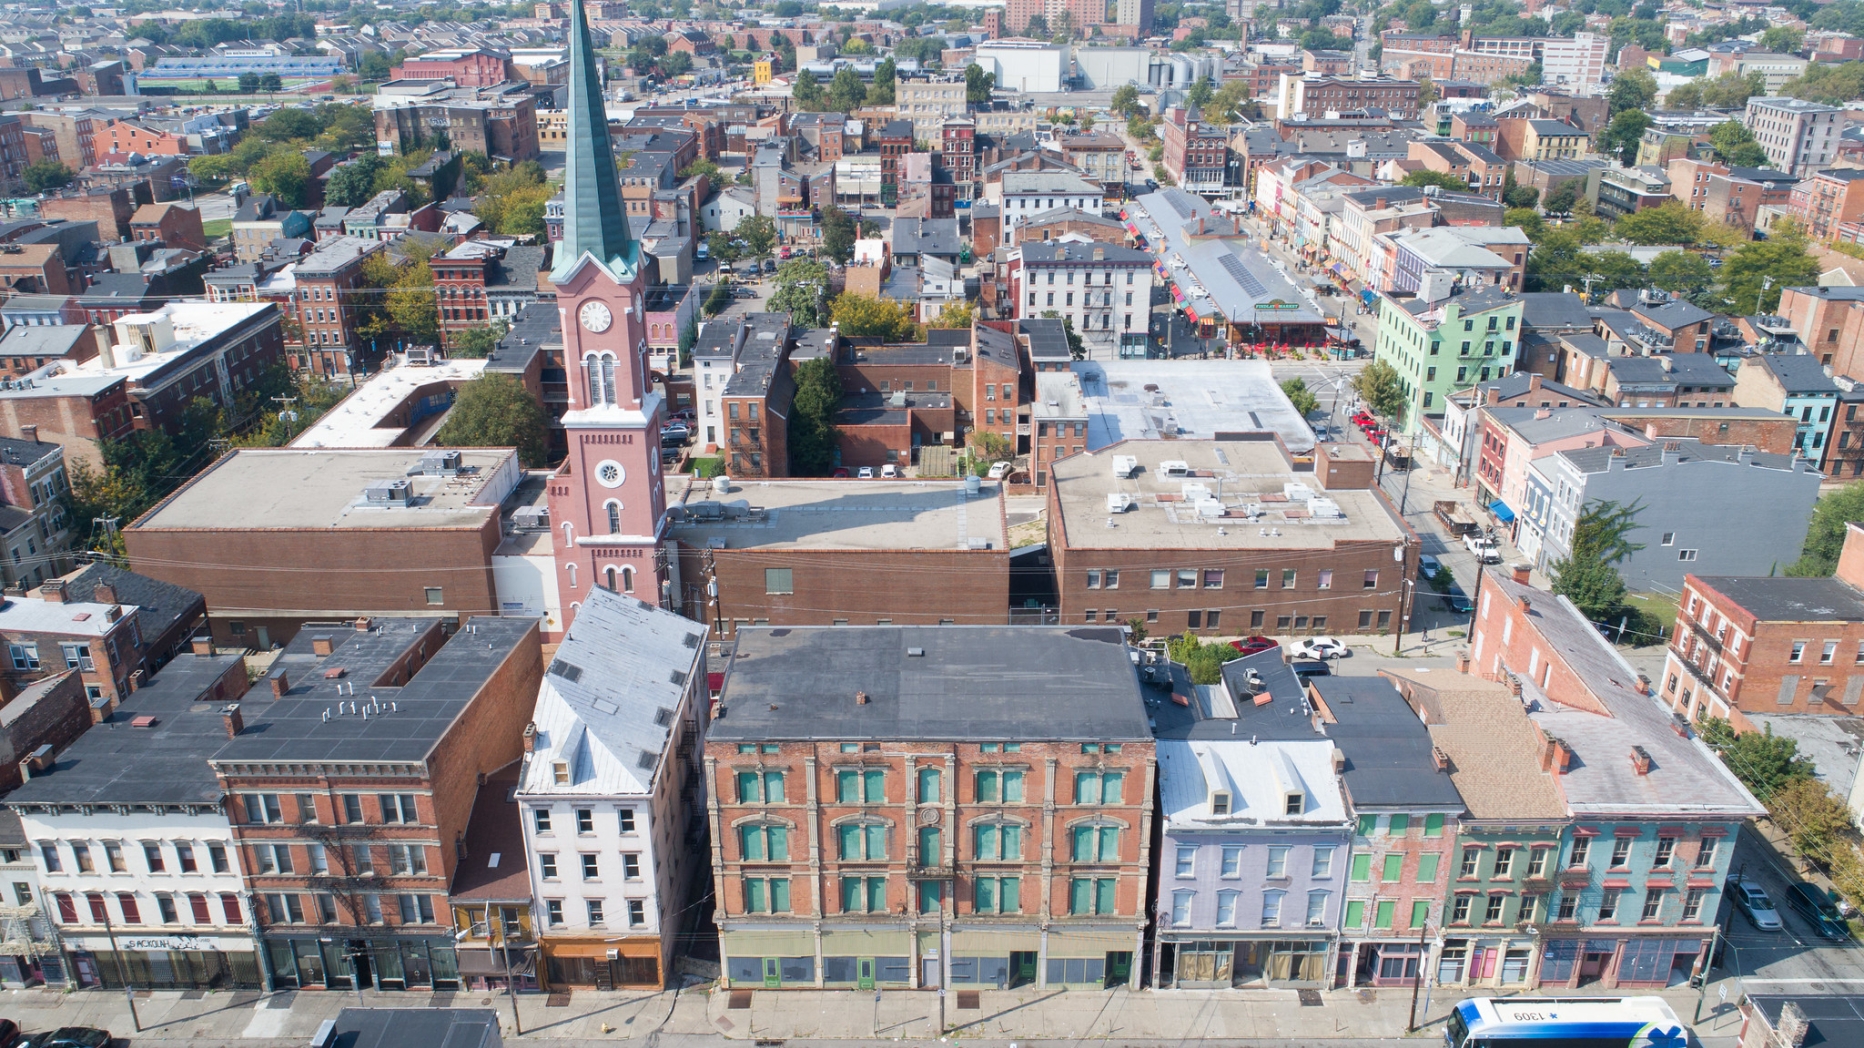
[599,378]
[609,580]
[627,580]
[614,517]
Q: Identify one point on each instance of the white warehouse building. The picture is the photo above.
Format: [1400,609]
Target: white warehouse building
[1026,66]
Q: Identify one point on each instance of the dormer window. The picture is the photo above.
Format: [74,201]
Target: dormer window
[1294,803]
[560,772]
[1220,803]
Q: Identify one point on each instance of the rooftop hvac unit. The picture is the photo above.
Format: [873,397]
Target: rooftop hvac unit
[1175,468]
[1325,509]
[532,518]
[1209,509]
[1125,466]
[1297,492]
[1120,502]
[441,463]
[1195,492]
[423,356]
[388,493]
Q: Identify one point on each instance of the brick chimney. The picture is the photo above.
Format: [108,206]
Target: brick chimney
[52,591]
[1521,573]
[280,683]
[1791,1030]
[29,433]
[322,645]
[1462,662]
[235,723]
[530,737]
[104,593]
[1555,756]
[1640,760]
[1526,605]
[202,643]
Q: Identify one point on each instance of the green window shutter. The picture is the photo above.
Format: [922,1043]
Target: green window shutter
[928,786]
[1426,868]
[930,852]
[773,787]
[1420,913]
[876,842]
[986,847]
[876,781]
[751,840]
[1355,914]
[1362,867]
[779,839]
[851,842]
[1086,787]
[848,786]
[754,896]
[1394,868]
[779,895]
[851,895]
[1110,787]
[876,895]
[1103,895]
[1083,844]
[986,787]
[1012,842]
[1080,895]
[1109,844]
[1012,786]
[1367,824]
[984,895]
[747,787]
[1383,919]
[1433,824]
[1400,823]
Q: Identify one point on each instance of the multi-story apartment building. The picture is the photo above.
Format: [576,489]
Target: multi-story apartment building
[34,529]
[888,810]
[1113,284]
[1796,385]
[1025,194]
[347,819]
[1442,340]
[611,794]
[261,220]
[1800,137]
[329,301]
[48,635]
[1499,872]
[1406,811]
[1197,154]
[1264,574]
[499,121]
[1654,813]
[1825,200]
[894,140]
[958,154]
[1253,857]
[477,284]
[1729,196]
[1532,138]
[137,867]
[928,103]
[1100,156]
[75,132]
[1830,321]
[1762,644]
[1317,95]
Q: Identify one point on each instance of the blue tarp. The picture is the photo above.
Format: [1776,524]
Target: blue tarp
[1501,511]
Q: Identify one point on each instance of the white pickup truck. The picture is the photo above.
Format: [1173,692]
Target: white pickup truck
[1483,547]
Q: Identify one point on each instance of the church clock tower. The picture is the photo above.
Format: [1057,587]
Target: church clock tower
[607,501]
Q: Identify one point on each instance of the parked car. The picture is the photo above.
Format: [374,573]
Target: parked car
[867,473]
[69,1037]
[890,471]
[1428,566]
[1319,648]
[1458,602]
[9,1033]
[770,265]
[839,473]
[999,470]
[1310,668]
[1251,645]
[1816,906]
[1751,899]
[675,433]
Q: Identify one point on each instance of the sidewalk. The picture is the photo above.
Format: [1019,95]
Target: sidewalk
[1028,1014]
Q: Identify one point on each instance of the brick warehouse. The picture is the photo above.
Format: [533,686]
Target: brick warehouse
[277,537]
[861,840]
[348,824]
[1223,537]
[839,552]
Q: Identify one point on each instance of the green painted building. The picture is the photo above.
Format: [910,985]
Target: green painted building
[1446,344]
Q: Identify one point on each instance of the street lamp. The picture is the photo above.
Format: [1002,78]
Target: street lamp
[504,958]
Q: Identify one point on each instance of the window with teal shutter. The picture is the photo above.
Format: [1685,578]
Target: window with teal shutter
[1104,895]
[1110,787]
[1400,823]
[1394,868]
[1433,824]
[848,786]
[928,786]
[875,780]
[1362,867]
[1367,825]
[1081,895]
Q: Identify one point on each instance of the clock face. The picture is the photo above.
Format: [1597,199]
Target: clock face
[596,317]
[609,473]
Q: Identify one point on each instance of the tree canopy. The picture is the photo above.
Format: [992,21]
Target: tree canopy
[496,411]
[1588,576]
[1825,533]
[1379,386]
[860,315]
[812,418]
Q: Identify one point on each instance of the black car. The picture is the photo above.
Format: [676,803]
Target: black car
[69,1037]
[1310,668]
[1816,906]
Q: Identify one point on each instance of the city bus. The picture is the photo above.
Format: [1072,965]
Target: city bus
[1565,1022]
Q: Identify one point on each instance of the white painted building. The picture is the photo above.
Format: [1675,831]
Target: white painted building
[1576,63]
[135,855]
[1800,137]
[1025,65]
[1025,194]
[611,795]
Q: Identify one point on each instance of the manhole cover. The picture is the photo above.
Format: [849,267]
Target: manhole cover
[557,1000]
[740,1000]
[967,1000]
[1309,998]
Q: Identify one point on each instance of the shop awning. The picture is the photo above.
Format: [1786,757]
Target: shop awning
[1501,511]
[476,961]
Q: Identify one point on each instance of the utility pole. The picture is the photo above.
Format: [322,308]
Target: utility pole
[285,412]
[122,973]
[1423,960]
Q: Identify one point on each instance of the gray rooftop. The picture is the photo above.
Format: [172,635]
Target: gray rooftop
[1799,374]
[1555,309]
[1790,599]
[837,515]
[1388,759]
[166,763]
[1601,459]
[947,683]
[1835,1020]
[293,728]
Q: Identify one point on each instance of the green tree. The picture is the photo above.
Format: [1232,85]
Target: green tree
[249,83]
[1561,198]
[1758,272]
[1227,105]
[701,166]
[1202,661]
[1632,89]
[478,343]
[1125,100]
[880,92]
[719,246]
[812,418]
[43,176]
[289,125]
[846,93]
[838,233]
[1684,96]
[1441,179]
[860,315]
[1520,196]
[1731,90]
[496,411]
[1681,272]
[806,92]
[271,82]
[1623,134]
[1763,761]
[1825,532]
[352,184]
[954,314]
[1379,386]
[759,234]
[1301,397]
[1734,145]
[1526,219]
[286,175]
[1201,93]
[801,285]
[977,83]
[1588,576]
[716,302]
[1832,83]
[1670,223]
[1782,40]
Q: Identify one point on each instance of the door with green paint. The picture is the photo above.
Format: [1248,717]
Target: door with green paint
[1119,968]
[864,972]
[1023,967]
[772,978]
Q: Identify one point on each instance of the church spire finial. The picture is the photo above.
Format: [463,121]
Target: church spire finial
[594,219]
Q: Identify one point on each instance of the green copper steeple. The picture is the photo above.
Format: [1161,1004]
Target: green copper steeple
[594,218]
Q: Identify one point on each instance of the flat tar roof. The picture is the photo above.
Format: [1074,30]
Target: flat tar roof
[958,683]
[359,420]
[1242,477]
[1190,399]
[302,488]
[836,514]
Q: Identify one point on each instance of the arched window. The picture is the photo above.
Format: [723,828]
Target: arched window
[599,377]
[572,570]
[627,580]
[610,579]
[614,517]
